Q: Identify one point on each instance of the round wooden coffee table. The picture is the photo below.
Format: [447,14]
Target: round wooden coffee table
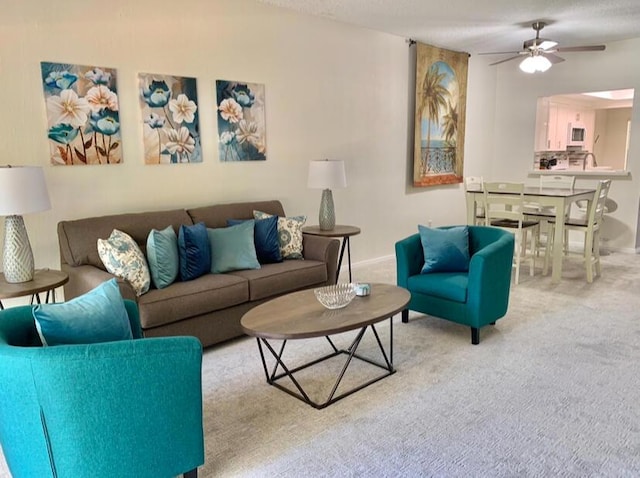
[300,316]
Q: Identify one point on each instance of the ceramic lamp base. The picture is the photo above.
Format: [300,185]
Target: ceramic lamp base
[17,255]
[327,217]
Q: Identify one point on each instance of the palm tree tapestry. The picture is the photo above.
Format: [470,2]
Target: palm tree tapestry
[441,94]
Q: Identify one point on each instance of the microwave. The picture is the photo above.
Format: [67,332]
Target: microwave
[577,134]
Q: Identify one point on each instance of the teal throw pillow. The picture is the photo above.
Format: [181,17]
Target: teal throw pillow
[194,251]
[233,248]
[97,316]
[265,235]
[162,256]
[445,249]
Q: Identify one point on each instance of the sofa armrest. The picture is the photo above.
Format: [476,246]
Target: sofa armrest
[490,279]
[409,259]
[84,278]
[324,249]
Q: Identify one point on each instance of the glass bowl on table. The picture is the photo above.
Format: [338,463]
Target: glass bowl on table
[335,296]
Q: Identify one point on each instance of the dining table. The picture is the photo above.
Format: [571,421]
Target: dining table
[559,199]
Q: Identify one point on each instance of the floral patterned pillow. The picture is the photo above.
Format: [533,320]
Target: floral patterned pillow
[123,258]
[289,234]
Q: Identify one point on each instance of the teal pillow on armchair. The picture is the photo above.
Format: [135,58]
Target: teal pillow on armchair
[445,250]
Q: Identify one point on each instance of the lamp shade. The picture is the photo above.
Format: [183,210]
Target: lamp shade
[23,190]
[534,63]
[327,174]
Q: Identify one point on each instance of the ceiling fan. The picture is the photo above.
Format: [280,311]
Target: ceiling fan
[540,53]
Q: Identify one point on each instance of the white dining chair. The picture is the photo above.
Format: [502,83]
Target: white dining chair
[503,207]
[474,183]
[590,227]
[537,212]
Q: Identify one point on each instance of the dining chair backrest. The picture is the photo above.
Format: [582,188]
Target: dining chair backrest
[597,209]
[503,200]
[473,183]
[558,181]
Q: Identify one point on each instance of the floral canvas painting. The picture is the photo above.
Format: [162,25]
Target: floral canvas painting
[441,92]
[241,121]
[170,114]
[82,114]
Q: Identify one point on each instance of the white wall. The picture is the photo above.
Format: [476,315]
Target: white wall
[516,96]
[332,91]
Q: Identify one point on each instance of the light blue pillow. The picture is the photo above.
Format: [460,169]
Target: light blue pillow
[445,250]
[194,251]
[233,248]
[163,258]
[97,316]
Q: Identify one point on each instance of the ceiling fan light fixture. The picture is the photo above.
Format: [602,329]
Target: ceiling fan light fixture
[534,63]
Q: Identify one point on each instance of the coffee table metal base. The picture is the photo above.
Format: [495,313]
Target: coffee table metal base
[273,377]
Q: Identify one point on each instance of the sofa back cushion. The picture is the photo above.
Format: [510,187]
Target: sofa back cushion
[216,216]
[78,239]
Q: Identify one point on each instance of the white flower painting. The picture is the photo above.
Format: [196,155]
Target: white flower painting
[82,114]
[241,121]
[170,119]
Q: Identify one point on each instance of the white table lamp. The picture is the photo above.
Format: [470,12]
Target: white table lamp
[327,174]
[22,191]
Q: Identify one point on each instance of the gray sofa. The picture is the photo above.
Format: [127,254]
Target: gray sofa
[209,307]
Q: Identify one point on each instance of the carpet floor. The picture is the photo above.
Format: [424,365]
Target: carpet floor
[552,389]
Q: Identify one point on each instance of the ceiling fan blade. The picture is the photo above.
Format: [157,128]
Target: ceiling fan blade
[582,48]
[553,58]
[506,59]
[500,53]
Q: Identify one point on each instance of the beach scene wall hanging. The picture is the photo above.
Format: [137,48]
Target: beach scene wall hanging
[440,109]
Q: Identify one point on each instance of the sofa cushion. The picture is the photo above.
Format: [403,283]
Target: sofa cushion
[289,234]
[446,285]
[233,248]
[123,258]
[445,249]
[266,239]
[183,300]
[194,251]
[288,276]
[162,255]
[94,317]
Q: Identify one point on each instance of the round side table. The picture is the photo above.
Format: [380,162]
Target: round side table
[44,280]
[339,231]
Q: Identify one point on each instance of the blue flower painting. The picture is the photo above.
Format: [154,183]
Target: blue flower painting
[83,118]
[241,121]
[170,115]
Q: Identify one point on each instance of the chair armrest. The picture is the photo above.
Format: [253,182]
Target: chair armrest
[409,259]
[324,249]
[84,278]
[139,399]
[490,280]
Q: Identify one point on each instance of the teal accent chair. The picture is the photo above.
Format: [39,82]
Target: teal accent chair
[131,408]
[475,298]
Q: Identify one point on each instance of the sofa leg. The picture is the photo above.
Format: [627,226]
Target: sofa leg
[492,323]
[475,335]
[405,316]
[191,473]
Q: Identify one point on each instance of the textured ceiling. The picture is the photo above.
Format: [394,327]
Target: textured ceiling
[483,25]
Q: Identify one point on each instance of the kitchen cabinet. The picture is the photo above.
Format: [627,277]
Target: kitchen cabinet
[552,125]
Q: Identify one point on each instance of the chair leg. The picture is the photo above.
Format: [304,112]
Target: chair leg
[588,254]
[475,335]
[405,316]
[191,473]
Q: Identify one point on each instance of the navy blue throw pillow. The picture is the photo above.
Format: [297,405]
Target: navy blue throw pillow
[265,237]
[194,250]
